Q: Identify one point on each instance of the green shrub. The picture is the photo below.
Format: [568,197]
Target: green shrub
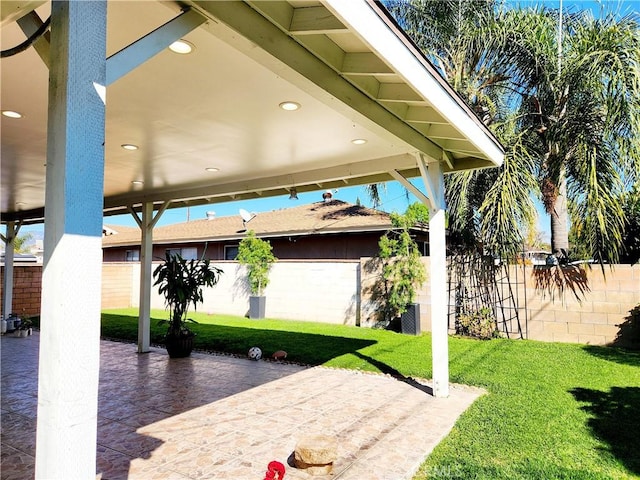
[402,270]
[478,324]
[256,254]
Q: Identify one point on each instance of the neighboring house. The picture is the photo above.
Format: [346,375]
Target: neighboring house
[330,229]
[535,257]
[20,258]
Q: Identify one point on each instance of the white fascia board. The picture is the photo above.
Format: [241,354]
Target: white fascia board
[364,21]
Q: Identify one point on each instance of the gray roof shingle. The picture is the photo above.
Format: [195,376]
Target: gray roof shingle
[316,218]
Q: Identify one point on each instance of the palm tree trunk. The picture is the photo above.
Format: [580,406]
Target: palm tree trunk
[560,220]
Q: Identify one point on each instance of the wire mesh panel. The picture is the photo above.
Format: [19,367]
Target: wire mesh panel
[486,286]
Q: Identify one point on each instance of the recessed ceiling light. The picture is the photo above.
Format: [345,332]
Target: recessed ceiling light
[358,141]
[137,182]
[290,106]
[212,169]
[129,146]
[11,114]
[181,46]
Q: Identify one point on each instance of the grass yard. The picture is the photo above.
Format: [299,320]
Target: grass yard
[554,411]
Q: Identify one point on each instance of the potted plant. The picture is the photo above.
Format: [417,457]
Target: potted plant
[181,283]
[403,273]
[258,258]
[26,327]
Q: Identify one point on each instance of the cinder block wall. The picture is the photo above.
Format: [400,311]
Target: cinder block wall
[120,285]
[370,273]
[27,281]
[568,304]
[579,304]
[298,290]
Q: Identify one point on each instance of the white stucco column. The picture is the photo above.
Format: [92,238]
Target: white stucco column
[434,182]
[146,253]
[7,286]
[69,359]
[146,224]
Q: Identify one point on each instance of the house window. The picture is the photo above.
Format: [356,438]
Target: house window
[230,252]
[132,256]
[190,253]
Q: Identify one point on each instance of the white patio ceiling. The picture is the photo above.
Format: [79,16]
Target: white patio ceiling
[345,62]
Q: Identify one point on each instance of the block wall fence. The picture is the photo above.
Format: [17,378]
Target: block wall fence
[568,304]
[27,285]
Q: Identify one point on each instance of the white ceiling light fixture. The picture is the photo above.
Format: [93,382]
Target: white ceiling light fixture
[290,106]
[212,169]
[137,182]
[358,141]
[11,114]
[181,47]
[129,146]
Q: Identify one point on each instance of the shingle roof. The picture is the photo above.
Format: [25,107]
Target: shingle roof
[317,218]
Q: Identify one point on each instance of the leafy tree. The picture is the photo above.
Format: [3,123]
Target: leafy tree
[20,243]
[417,214]
[402,269]
[256,254]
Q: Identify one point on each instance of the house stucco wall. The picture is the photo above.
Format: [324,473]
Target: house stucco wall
[342,246]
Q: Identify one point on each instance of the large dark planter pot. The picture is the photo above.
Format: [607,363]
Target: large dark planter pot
[179,347]
[257,307]
[410,320]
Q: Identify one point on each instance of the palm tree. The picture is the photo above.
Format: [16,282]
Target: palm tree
[464,42]
[581,110]
[567,109]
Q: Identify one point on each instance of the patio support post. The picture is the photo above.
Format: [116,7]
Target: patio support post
[434,183]
[69,359]
[7,287]
[146,224]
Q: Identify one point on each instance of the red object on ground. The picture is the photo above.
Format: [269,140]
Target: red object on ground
[275,471]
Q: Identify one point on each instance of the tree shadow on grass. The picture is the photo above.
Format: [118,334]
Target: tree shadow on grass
[306,348]
[615,420]
[301,347]
[613,354]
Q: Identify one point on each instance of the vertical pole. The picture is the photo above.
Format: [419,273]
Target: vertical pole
[146,254]
[69,360]
[7,287]
[434,182]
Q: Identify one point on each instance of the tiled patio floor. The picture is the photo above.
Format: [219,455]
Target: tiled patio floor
[214,416]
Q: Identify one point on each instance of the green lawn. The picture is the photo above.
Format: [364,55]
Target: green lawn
[554,411]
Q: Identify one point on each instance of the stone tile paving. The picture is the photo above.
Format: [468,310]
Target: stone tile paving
[215,416]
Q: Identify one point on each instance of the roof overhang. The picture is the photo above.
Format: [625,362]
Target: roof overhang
[350,67]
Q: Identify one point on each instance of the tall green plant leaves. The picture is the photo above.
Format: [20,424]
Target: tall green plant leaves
[402,269]
[181,282]
[257,255]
